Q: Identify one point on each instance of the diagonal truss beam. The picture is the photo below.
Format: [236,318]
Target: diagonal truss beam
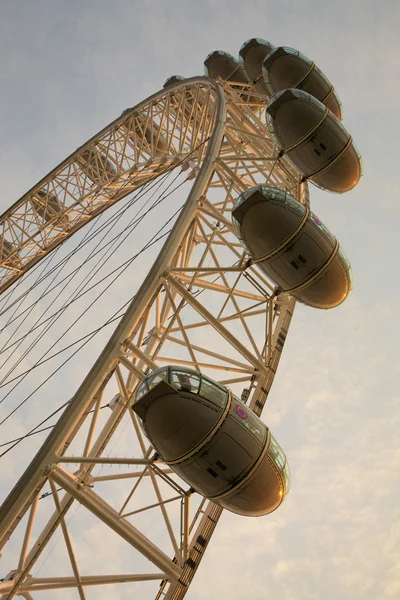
[185,310]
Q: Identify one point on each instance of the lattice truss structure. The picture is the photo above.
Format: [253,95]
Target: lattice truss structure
[203,305]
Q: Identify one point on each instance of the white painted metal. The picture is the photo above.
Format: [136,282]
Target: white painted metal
[202,305]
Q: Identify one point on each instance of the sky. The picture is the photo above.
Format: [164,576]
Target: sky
[69,68]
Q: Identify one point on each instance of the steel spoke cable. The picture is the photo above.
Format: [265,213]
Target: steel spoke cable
[30,434]
[127,206]
[83,243]
[86,339]
[39,322]
[7,295]
[195,294]
[45,360]
[116,216]
[151,242]
[28,312]
[35,430]
[71,274]
[95,196]
[53,254]
[128,262]
[24,297]
[149,182]
[62,310]
[35,267]
[122,268]
[74,300]
[112,217]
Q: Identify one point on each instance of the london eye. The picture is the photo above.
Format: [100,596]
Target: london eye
[166,427]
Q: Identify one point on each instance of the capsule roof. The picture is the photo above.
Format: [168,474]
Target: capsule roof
[224,65]
[252,55]
[182,377]
[270,197]
[287,68]
[261,192]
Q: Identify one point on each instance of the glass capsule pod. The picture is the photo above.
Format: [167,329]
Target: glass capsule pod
[252,55]
[287,68]
[7,250]
[212,440]
[292,246]
[96,166]
[314,140]
[48,207]
[224,65]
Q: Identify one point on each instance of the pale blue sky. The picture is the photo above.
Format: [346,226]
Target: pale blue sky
[67,69]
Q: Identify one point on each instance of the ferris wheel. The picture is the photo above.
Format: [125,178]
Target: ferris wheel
[187,372]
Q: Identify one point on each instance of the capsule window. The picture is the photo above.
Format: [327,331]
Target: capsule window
[276,453]
[141,391]
[323,228]
[286,477]
[350,272]
[295,204]
[213,392]
[153,380]
[346,264]
[236,228]
[185,381]
[344,259]
[249,420]
[255,427]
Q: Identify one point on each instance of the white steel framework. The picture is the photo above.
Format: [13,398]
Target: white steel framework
[203,304]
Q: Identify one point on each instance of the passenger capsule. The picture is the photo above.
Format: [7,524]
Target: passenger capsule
[173,79]
[49,208]
[96,166]
[314,140]
[252,55]
[287,68]
[224,65]
[292,246]
[212,440]
[8,254]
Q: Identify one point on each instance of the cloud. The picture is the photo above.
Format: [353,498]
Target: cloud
[334,406]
